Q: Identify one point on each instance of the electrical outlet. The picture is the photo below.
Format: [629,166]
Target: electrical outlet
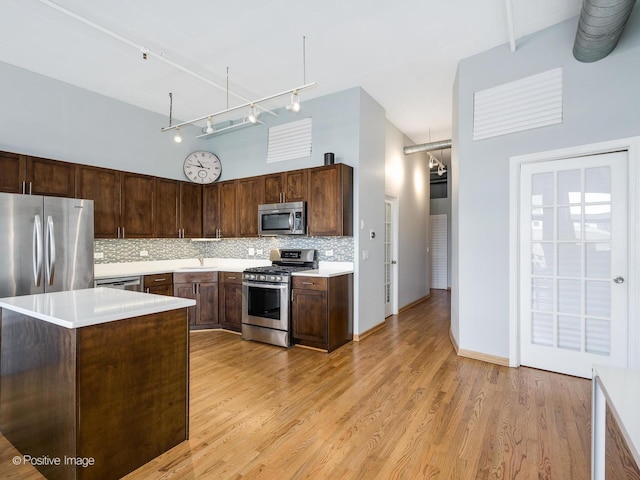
[144,253]
[329,253]
[365,254]
[98,255]
[259,251]
[252,252]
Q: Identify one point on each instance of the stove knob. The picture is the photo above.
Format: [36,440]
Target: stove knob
[262,277]
[272,277]
[278,278]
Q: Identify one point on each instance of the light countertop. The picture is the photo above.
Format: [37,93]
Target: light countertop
[621,387]
[328,269]
[91,306]
[106,270]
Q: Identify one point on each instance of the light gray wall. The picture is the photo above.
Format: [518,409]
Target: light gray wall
[44,117]
[369,208]
[601,102]
[407,178]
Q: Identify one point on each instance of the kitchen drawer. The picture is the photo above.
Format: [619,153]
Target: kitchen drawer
[231,277]
[310,283]
[195,277]
[158,279]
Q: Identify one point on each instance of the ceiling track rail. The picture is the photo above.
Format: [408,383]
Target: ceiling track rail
[146,51]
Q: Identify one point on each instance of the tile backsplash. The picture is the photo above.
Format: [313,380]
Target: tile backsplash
[123,251]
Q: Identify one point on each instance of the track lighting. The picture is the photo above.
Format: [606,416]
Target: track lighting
[253,115]
[177,137]
[434,162]
[255,109]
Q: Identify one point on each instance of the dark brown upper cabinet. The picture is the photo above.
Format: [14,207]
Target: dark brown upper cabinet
[36,176]
[178,209]
[286,187]
[219,209]
[330,200]
[250,195]
[101,185]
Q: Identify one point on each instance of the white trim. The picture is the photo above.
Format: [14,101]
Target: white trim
[632,146]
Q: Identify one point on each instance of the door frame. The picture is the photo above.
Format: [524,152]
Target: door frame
[395,211]
[632,146]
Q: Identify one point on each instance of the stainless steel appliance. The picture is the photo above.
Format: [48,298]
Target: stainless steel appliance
[282,219]
[46,244]
[266,296]
[134,283]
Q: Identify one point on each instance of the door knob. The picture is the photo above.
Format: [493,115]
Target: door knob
[618,280]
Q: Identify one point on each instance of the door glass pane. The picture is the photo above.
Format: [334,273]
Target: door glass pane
[542,224]
[598,336]
[597,222]
[569,223]
[542,294]
[569,187]
[598,260]
[569,332]
[598,298]
[569,260]
[569,298]
[542,329]
[597,184]
[542,258]
[542,189]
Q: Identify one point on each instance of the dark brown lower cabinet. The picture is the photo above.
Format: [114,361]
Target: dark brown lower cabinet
[203,288]
[114,394]
[230,299]
[159,284]
[322,311]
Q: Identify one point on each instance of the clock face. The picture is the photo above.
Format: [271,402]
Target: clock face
[202,167]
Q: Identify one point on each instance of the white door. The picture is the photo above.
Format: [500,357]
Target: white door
[573,263]
[389,262]
[438,250]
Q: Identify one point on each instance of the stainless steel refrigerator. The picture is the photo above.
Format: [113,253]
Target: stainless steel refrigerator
[46,244]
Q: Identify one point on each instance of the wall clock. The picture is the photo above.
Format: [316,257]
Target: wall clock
[202,167]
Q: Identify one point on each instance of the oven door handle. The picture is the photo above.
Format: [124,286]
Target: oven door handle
[279,286]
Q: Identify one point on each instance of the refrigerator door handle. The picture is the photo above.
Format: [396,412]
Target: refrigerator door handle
[37,250]
[51,251]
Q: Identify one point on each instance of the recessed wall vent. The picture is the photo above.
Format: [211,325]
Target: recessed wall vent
[531,102]
[289,141]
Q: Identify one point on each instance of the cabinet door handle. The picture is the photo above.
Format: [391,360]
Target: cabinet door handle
[30,187]
[159,279]
[24,187]
[307,283]
[122,232]
[146,290]
[231,278]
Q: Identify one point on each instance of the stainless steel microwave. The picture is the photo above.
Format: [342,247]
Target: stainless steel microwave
[282,218]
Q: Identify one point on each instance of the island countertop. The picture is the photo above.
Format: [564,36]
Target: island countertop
[91,306]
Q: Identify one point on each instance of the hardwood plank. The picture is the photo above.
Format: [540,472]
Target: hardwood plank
[397,405]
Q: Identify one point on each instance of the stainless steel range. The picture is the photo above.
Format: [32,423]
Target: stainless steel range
[266,296]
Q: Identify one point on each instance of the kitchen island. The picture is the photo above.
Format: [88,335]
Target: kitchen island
[94,383]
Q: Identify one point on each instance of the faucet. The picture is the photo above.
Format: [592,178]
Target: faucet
[201,259]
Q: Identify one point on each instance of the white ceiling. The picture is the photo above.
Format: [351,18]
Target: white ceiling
[402,52]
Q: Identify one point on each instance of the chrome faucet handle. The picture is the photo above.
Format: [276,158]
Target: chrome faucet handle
[201,259]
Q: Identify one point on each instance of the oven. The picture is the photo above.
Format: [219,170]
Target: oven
[266,304]
[266,296]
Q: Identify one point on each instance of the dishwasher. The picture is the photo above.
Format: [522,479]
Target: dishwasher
[123,283]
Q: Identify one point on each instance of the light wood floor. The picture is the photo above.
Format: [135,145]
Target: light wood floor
[397,405]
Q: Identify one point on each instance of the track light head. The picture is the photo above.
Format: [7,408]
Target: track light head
[177,137]
[294,106]
[253,115]
[209,128]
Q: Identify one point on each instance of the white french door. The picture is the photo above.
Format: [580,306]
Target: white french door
[389,261]
[573,263]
